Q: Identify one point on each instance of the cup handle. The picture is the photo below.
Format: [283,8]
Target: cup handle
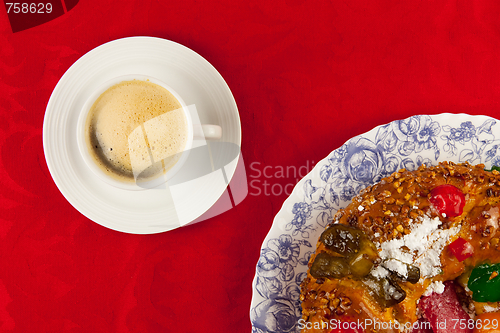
[207,132]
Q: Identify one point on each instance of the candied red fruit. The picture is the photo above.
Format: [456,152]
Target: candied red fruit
[461,249]
[448,200]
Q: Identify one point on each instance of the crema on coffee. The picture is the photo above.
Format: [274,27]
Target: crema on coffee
[136,129]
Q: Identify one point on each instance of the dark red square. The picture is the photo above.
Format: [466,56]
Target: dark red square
[25,15]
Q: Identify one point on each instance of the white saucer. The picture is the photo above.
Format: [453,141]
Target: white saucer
[148,211]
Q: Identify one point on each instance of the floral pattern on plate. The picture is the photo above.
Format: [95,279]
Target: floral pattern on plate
[330,186]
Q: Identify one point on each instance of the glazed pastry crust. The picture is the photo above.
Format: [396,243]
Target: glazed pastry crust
[389,210]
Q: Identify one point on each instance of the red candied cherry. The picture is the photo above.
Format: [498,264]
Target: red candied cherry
[448,200]
[461,249]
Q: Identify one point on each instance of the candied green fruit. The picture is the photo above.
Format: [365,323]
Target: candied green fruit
[342,239]
[327,266]
[361,265]
[351,248]
[413,274]
[387,292]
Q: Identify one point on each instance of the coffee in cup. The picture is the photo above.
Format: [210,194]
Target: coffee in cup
[134,132]
[116,121]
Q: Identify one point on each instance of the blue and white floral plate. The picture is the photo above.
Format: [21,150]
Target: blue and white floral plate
[330,186]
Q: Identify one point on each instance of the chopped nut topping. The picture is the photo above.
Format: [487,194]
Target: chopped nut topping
[487,231]
[339,311]
[346,301]
[390,200]
[334,303]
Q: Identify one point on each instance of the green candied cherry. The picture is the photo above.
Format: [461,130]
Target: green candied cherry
[494,167]
[484,282]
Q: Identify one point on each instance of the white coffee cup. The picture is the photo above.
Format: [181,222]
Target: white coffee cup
[194,131]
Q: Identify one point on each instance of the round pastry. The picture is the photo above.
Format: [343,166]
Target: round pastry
[417,252]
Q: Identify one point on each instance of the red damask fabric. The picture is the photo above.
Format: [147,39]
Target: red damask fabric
[306,76]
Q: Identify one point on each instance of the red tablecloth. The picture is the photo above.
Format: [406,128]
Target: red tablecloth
[306,75]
